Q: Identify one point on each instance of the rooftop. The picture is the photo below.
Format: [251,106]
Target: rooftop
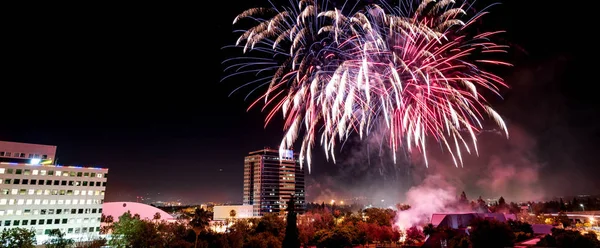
[54,166]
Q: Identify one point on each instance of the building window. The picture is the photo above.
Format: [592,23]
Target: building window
[19,172]
[2,170]
[44,156]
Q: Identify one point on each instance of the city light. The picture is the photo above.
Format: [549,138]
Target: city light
[35,161]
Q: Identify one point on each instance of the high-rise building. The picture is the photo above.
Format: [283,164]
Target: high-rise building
[15,152]
[270,180]
[44,197]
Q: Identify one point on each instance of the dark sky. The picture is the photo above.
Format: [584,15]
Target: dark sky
[135,88]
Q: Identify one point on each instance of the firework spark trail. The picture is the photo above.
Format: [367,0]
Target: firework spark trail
[408,70]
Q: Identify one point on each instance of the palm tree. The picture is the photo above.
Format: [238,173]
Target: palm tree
[200,220]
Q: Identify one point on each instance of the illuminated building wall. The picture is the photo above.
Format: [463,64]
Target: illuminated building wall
[43,197]
[270,182]
[16,152]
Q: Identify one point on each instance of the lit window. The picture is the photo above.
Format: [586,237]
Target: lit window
[31,191]
[90,192]
[52,202]
[14,191]
[38,192]
[83,192]
[3,201]
[67,202]
[88,201]
[2,170]
[29,202]
[11,202]
[76,192]
[46,192]
[61,202]
[10,212]
[37,202]
[43,172]
[1,212]
[99,175]
[35,172]
[45,202]
[58,173]
[20,201]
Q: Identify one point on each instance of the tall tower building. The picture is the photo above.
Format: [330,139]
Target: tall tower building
[270,180]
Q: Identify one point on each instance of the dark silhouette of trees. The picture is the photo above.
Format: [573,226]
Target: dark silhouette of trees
[292,235]
[463,199]
[501,202]
[491,234]
[562,238]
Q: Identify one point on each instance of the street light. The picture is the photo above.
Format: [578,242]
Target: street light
[582,207]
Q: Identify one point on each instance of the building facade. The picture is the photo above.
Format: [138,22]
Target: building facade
[271,179]
[15,152]
[223,212]
[46,197]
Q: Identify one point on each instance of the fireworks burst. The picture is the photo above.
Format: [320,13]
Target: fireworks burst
[412,70]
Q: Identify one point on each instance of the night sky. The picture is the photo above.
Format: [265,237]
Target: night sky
[135,88]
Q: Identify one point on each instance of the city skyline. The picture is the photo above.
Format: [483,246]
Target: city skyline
[143,99]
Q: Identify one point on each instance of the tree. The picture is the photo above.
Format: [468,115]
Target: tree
[569,238]
[17,238]
[131,231]
[491,234]
[414,236]
[156,216]
[463,198]
[501,202]
[200,220]
[58,240]
[429,229]
[292,235]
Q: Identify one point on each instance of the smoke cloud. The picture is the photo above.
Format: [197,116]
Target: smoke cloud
[432,196]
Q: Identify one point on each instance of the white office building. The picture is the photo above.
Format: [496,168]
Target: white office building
[43,197]
[16,152]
